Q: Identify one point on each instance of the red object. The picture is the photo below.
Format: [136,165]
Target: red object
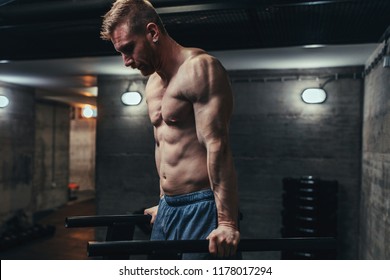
[73,186]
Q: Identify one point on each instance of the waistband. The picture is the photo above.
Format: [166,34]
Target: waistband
[188,198]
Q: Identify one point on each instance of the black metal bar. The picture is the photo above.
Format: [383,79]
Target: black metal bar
[106,220]
[198,246]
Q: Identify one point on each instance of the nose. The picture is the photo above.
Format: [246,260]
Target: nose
[128,60]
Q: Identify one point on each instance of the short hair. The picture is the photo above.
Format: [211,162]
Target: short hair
[138,13]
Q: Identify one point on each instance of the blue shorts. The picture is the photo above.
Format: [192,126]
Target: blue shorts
[186,217]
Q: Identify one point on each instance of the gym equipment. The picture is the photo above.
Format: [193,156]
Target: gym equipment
[119,242]
[309,210]
[177,247]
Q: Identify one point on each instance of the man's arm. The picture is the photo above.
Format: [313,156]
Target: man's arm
[213,103]
[152,211]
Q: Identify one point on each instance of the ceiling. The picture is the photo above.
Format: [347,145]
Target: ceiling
[55,45]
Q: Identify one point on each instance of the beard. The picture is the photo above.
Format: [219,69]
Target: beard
[146,70]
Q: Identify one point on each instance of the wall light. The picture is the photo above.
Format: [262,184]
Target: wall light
[131,98]
[4,101]
[313,95]
[88,112]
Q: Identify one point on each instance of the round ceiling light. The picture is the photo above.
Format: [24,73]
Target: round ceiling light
[4,101]
[313,95]
[131,98]
[88,112]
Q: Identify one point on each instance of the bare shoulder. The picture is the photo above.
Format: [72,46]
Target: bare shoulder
[203,74]
[153,82]
[199,60]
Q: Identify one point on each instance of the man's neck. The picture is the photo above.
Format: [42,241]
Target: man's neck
[170,58]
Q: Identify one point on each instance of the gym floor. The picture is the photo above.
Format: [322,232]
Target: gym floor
[65,244]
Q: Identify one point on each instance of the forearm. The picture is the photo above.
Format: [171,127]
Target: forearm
[224,183]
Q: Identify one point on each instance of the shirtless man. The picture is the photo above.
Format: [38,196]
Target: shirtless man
[190,104]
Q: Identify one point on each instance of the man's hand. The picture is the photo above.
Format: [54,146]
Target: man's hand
[152,211]
[223,241]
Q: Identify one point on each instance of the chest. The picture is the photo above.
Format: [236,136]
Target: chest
[168,105]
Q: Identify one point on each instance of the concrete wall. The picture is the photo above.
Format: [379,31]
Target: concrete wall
[273,134]
[82,152]
[126,176]
[375,195]
[34,149]
[51,161]
[16,151]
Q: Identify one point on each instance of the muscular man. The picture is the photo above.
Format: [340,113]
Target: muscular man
[190,104]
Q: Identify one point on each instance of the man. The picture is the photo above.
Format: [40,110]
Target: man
[189,103]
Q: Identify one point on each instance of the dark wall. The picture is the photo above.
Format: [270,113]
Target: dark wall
[276,135]
[273,135]
[34,149]
[16,151]
[51,158]
[375,196]
[126,176]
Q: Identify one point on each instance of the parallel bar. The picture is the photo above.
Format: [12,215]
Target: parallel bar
[201,246]
[106,220]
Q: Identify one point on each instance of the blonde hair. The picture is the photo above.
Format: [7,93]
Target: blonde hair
[138,13]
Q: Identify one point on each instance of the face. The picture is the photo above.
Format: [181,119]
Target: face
[135,49]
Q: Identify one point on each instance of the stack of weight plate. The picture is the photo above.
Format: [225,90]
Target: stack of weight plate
[309,210]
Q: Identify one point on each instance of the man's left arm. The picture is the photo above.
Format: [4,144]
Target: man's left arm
[213,105]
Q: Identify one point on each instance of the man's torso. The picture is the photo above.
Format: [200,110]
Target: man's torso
[180,157]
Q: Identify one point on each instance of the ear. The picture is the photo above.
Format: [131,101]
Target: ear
[153,32]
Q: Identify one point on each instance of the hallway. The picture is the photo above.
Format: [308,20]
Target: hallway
[66,244]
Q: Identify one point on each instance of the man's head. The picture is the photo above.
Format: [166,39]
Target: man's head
[134,27]
[137,14]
